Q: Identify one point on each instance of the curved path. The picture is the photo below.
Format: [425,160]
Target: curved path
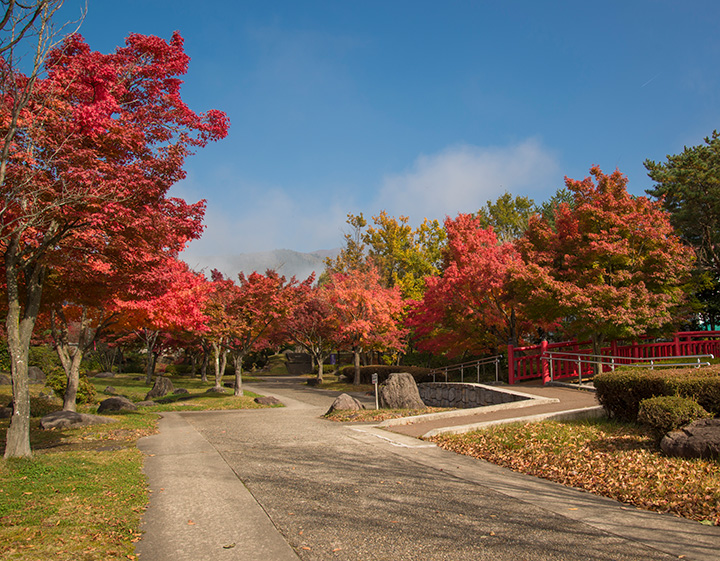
[284,484]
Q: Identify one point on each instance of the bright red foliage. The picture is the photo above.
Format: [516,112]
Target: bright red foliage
[468,308]
[242,315]
[369,314]
[86,166]
[611,268]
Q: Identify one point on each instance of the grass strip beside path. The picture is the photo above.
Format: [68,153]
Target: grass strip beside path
[614,460]
[82,494]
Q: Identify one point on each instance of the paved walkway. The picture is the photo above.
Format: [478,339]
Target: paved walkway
[284,484]
[548,402]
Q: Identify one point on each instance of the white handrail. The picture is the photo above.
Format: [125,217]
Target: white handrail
[476,363]
[581,358]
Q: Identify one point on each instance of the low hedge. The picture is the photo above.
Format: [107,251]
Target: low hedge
[419,373]
[667,413]
[621,392]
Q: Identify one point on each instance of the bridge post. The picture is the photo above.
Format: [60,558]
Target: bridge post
[544,361]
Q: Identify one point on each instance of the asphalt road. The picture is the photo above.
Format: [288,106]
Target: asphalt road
[285,484]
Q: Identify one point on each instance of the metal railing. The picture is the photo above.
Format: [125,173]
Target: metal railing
[469,366]
[613,361]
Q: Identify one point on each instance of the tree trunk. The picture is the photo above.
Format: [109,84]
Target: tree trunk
[204,365]
[238,358]
[150,339]
[356,361]
[220,362]
[320,362]
[20,324]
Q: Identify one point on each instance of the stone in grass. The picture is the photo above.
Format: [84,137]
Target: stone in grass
[180,391]
[215,389]
[72,419]
[161,388]
[35,375]
[5,379]
[6,412]
[146,403]
[700,439]
[400,391]
[117,403]
[345,402]
[104,375]
[109,390]
[267,400]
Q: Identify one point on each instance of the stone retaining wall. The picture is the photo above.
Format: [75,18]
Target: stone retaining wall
[465,396]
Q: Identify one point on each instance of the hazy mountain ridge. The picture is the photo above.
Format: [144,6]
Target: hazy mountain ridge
[285,261]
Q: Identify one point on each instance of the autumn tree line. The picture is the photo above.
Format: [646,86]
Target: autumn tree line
[90,239]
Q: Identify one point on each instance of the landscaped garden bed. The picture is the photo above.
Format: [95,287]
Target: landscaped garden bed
[612,459]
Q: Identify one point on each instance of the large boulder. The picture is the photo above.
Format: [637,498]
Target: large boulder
[161,388]
[267,400]
[345,402]
[104,375]
[700,439]
[400,391]
[71,419]
[117,403]
[35,375]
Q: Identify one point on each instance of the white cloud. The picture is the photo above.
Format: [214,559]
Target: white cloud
[245,218]
[463,178]
[270,219]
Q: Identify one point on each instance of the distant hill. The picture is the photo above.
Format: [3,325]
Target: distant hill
[285,261]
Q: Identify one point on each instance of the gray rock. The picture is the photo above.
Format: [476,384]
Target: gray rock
[6,412]
[700,439]
[71,419]
[35,375]
[345,402]
[117,403]
[267,400]
[109,390]
[105,375]
[5,379]
[179,391]
[215,390]
[400,391]
[146,403]
[161,388]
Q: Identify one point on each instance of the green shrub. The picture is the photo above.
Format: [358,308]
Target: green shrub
[668,413]
[45,358]
[57,380]
[621,392]
[348,372]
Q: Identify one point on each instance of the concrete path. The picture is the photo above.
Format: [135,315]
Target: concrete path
[547,402]
[277,484]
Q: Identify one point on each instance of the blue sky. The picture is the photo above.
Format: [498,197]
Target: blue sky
[420,108]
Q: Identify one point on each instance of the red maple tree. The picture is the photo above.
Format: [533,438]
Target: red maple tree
[90,158]
[369,313]
[468,308]
[611,267]
[314,324]
[242,316]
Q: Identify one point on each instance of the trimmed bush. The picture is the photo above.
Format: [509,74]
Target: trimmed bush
[57,380]
[621,392]
[667,413]
[348,372]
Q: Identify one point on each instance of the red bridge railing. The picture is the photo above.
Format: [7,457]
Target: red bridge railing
[526,363]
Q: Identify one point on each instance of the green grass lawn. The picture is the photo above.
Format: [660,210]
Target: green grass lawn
[82,494]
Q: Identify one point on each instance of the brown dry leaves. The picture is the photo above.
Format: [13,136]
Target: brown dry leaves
[613,460]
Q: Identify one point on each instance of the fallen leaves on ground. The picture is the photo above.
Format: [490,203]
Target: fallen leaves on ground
[609,459]
[378,415]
